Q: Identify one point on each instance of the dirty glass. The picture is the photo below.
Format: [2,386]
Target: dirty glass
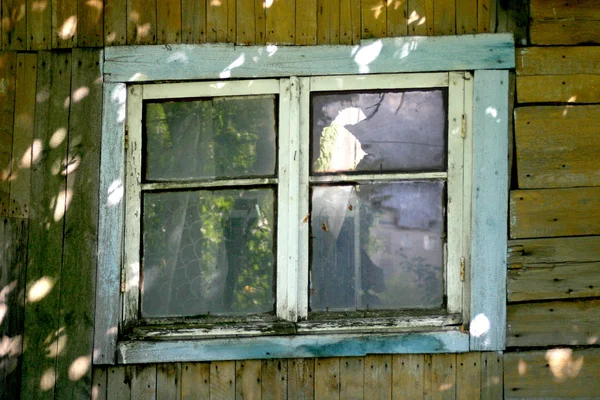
[377,246]
[210,138]
[208,252]
[384,131]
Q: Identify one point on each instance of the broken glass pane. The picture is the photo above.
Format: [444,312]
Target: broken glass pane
[210,138]
[377,246]
[208,252]
[384,131]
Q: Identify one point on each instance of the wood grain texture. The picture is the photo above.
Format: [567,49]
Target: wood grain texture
[327,378]
[554,281]
[397,18]
[484,16]
[373,18]
[443,376]
[64,24]
[13,262]
[119,383]
[143,382]
[489,202]
[248,376]
[468,376]
[217,29]
[141,21]
[222,380]
[43,330]
[557,146]
[78,272]
[553,323]
[466,17]
[246,22]
[577,88]
[444,17]
[417,17]
[564,22]
[407,377]
[168,381]
[14,24]
[350,22]
[554,212]
[328,22]
[99,383]
[193,21]
[115,22]
[559,60]
[378,376]
[90,23]
[39,25]
[123,64]
[168,21]
[552,373]
[8,75]
[301,378]
[274,379]
[261,24]
[281,22]
[195,381]
[306,22]
[492,371]
[352,378]
[556,250]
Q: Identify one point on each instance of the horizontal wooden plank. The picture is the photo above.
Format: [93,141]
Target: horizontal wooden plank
[556,250]
[132,352]
[560,60]
[564,31]
[553,323]
[554,212]
[557,146]
[414,54]
[553,373]
[564,9]
[554,281]
[578,88]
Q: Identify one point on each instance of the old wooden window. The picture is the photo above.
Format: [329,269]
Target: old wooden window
[329,194]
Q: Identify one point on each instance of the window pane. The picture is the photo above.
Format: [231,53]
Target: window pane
[220,137]
[208,252]
[377,246]
[389,131]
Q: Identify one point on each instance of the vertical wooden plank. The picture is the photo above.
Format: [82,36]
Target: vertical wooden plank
[248,378]
[141,21]
[274,379]
[14,24]
[39,25]
[328,22]
[352,378]
[45,337]
[373,19]
[222,380]
[216,21]
[443,376]
[466,17]
[13,261]
[484,13]
[327,378]
[490,200]
[64,24]
[468,376]
[444,17]
[261,23]
[397,18]
[407,379]
[246,22]
[350,28]
[281,22]
[231,21]
[78,274]
[99,383]
[427,376]
[115,22]
[168,378]
[193,21]
[301,378]
[168,21]
[143,382]
[195,381]
[429,16]
[306,22]
[492,371]
[8,81]
[417,18]
[110,223]
[23,146]
[118,386]
[378,376]
[90,23]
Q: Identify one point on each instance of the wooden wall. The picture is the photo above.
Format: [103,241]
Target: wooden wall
[50,109]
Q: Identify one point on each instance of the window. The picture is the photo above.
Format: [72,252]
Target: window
[263,211]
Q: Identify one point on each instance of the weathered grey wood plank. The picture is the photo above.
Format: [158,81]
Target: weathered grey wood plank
[443,376]
[327,378]
[184,62]
[301,378]
[222,380]
[13,262]
[119,383]
[489,205]
[248,377]
[378,376]
[8,75]
[468,376]
[78,274]
[407,377]
[168,380]
[110,223]
[195,381]
[43,333]
[557,250]
[132,352]
[274,379]
[143,382]
[553,323]
[352,378]
[492,371]
[99,383]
